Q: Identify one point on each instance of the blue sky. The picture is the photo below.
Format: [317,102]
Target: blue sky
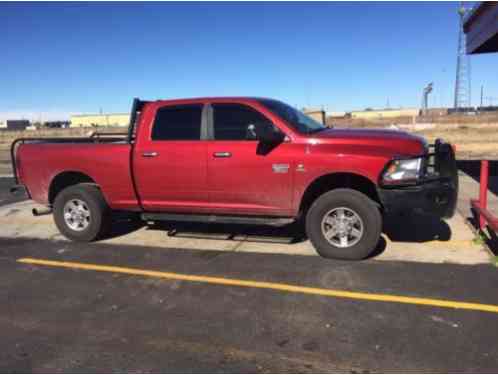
[61,58]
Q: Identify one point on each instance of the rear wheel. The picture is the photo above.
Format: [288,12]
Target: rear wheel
[344,224]
[81,213]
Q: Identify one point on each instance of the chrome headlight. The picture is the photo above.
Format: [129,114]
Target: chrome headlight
[403,171]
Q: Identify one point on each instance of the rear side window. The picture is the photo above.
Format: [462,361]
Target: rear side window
[178,123]
[231,121]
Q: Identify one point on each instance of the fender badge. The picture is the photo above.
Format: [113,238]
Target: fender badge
[280,168]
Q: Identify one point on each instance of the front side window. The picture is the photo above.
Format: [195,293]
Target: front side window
[237,122]
[178,123]
[299,121]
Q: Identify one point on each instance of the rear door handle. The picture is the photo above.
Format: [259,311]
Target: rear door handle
[150,154]
[222,154]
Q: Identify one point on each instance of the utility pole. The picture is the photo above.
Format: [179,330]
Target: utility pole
[462,80]
[482,93]
[425,97]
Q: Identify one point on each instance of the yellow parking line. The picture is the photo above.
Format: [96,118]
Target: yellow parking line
[266,285]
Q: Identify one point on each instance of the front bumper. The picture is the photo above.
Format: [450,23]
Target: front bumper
[435,198]
[436,194]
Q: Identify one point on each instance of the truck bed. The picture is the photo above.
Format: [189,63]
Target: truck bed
[106,159]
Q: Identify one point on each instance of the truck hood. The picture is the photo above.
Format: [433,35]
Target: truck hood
[399,141]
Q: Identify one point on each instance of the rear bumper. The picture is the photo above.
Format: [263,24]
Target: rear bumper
[436,194]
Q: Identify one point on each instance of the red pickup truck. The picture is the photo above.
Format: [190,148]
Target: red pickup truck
[238,160]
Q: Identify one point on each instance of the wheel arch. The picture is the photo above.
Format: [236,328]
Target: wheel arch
[336,180]
[65,179]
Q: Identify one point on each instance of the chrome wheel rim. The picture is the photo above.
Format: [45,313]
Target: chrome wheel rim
[77,214]
[342,227]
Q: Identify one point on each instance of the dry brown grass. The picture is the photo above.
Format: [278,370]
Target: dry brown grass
[475,136]
[448,120]
[472,142]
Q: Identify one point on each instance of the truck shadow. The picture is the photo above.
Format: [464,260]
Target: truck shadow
[124,223]
[287,234]
[399,228]
[413,227]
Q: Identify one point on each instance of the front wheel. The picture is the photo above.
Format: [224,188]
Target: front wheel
[344,224]
[81,213]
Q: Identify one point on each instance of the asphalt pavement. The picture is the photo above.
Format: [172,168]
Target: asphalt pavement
[57,319]
[5,196]
[104,307]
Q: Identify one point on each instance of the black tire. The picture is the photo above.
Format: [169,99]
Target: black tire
[100,213]
[358,202]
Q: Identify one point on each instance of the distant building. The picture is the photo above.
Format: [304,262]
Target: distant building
[436,111]
[336,114]
[56,124]
[14,125]
[385,113]
[110,119]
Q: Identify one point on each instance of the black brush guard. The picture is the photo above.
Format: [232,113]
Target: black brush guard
[436,192]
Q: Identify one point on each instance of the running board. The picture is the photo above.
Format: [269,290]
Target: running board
[224,219]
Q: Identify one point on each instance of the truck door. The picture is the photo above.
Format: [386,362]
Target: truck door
[243,178]
[169,161]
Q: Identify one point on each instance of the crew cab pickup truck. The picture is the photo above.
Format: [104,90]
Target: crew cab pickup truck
[238,160]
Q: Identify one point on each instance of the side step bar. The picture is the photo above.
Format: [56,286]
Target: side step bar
[224,219]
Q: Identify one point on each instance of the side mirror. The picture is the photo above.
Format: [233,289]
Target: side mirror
[266,133]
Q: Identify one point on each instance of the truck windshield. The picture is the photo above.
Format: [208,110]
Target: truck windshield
[299,121]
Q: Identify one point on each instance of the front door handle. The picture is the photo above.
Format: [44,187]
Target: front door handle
[150,154]
[222,154]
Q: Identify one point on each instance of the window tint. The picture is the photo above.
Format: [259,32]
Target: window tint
[231,122]
[178,123]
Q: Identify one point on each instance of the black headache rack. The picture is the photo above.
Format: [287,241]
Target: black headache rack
[136,109]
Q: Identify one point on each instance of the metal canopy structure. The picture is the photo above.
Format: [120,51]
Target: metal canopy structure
[481,28]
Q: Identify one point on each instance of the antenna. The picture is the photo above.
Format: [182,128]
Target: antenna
[462,80]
